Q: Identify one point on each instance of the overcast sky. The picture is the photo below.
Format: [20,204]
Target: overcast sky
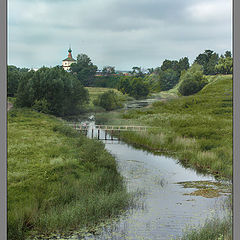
[120,33]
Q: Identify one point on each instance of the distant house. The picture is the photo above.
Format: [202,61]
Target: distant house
[66,63]
[99,73]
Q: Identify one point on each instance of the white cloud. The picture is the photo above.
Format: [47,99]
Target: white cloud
[211,11]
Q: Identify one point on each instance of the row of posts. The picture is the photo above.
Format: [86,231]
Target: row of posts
[98,133]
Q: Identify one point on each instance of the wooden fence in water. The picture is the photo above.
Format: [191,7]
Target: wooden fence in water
[108,129]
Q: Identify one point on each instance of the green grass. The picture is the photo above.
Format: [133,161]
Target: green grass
[196,129]
[94,92]
[213,229]
[58,180]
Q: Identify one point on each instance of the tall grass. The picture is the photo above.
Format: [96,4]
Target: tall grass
[58,180]
[215,228]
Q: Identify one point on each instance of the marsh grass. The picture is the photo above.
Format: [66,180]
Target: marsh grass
[58,180]
[196,129]
[213,229]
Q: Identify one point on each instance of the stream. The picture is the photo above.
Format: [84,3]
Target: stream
[165,207]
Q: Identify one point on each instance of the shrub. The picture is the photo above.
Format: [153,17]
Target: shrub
[108,100]
[192,81]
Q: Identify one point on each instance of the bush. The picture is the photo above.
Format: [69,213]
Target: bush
[108,100]
[192,81]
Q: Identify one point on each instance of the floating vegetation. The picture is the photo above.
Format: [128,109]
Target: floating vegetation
[207,189]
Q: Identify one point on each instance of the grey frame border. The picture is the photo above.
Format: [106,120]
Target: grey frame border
[3,119]
[236,119]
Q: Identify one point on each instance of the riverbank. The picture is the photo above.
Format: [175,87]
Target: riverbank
[58,180]
[197,129]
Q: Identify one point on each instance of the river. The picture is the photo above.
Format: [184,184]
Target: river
[165,208]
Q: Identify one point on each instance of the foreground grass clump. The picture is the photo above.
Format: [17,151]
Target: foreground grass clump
[196,129]
[58,180]
[216,228]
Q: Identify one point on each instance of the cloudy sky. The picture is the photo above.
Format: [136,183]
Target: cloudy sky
[120,33]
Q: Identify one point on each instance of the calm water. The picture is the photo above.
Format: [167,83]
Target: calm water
[163,211]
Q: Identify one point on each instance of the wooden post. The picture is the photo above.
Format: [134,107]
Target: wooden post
[92,132]
[105,134]
[112,135]
[119,135]
[98,133]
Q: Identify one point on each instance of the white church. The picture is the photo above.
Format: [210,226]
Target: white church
[66,63]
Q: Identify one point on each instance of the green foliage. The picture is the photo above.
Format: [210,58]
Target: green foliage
[51,90]
[192,81]
[41,106]
[168,79]
[215,228]
[134,86]
[177,66]
[208,60]
[108,100]
[14,75]
[137,72]
[84,69]
[225,64]
[125,84]
[108,81]
[108,70]
[169,64]
[58,180]
[167,76]
[138,88]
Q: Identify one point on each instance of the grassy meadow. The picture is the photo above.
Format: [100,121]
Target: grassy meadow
[195,129]
[58,180]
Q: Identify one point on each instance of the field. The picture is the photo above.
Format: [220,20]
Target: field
[58,180]
[197,129]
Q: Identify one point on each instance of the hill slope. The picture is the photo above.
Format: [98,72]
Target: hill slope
[196,129]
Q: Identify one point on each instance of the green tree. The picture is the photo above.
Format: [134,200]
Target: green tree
[84,69]
[13,77]
[183,64]
[225,65]
[108,100]
[25,93]
[108,70]
[168,64]
[124,84]
[51,90]
[192,80]
[138,89]
[228,54]
[208,60]
[137,72]
[168,79]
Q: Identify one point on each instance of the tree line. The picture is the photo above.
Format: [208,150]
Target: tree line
[55,91]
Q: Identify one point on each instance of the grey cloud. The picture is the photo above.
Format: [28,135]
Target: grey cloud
[123,33]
